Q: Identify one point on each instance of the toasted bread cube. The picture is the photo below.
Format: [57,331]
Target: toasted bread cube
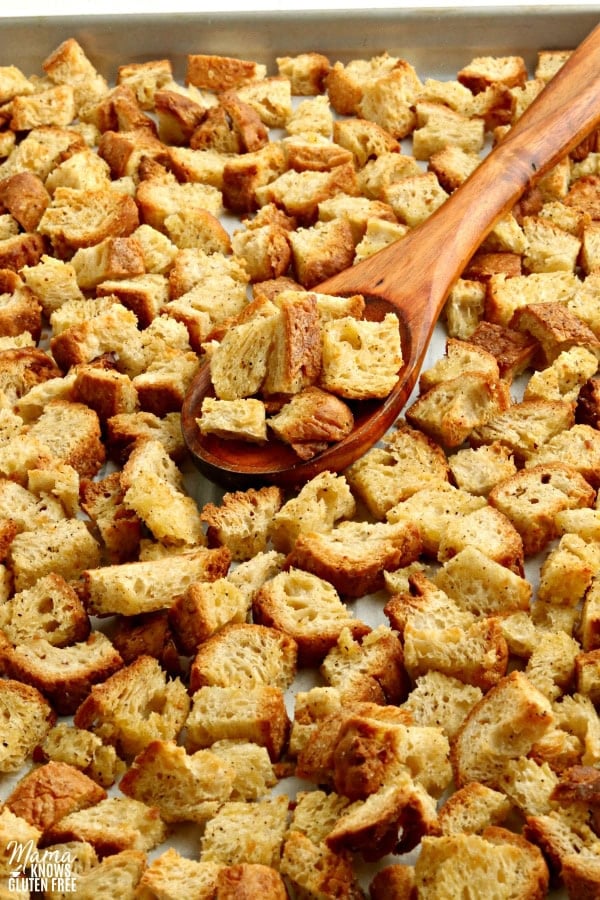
[107,392]
[246,833]
[28,718]
[85,751]
[452,165]
[584,302]
[529,785]
[353,555]
[452,409]
[361,359]
[316,812]
[578,447]
[549,62]
[249,342]
[47,793]
[171,871]
[364,138]
[64,548]
[473,808]
[478,581]
[307,608]
[525,426]
[53,282]
[14,828]
[385,813]
[457,862]
[432,509]
[556,328]
[526,714]
[255,878]
[549,248]
[385,476]
[77,219]
[13,83]
[53,106]
[144,294]
[590,248]
[242,521]
[161,388]
[425,606]
[270,97]
[312,866]
[460,357]
[378,234]
[532,498]
[464,308]
[311,420]
[345,83]
[486,70]
[49,608]
[506,295]
[24,249]
[415,197]
[117,709]
[146,79]
[219,73]
[69,64]
[383,171]
[371,669]
[203,609]
[590,617]
[243,419]
[113,825]
[394,880]
[197,782]
[149,585]
[305,71]
[232,713]
[564,378]
[243,655]
[389,99]
[485,528]
[568,570]
[159,199]
[321,251]
[441,701]
[266,251]
[317,506]
[299,193]
[41,149]
[125,428]
[26,198]
[551,666]
[415,753]
[154,490]
[63,674]
[294,358]
[438,126]
[478,469]
[119,873]
[246,175]
[476,654]
[357,210]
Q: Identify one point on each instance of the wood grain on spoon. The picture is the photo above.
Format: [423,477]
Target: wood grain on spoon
[413,276]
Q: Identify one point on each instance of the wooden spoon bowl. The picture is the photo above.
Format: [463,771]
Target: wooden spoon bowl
[413,277]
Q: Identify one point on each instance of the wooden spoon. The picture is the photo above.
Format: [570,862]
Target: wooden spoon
[413,276]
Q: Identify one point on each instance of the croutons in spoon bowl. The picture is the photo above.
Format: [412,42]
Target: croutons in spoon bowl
[413,277]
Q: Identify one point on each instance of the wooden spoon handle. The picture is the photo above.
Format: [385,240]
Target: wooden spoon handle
[416,273]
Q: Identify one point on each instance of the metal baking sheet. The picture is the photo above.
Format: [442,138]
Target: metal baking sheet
[437,42]
[442,38]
